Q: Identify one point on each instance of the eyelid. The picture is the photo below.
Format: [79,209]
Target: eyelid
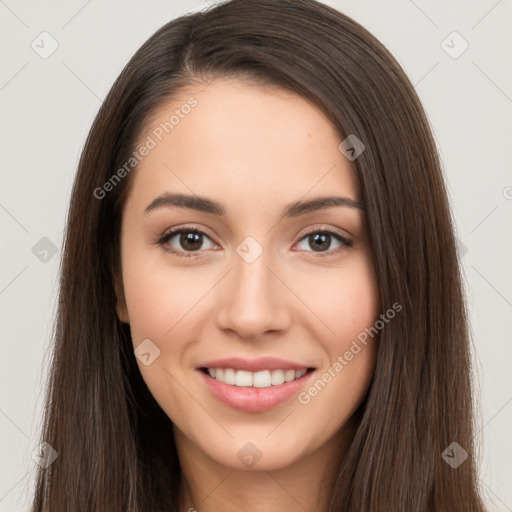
[170,233]
[346,242]
[187,228]
[326,228]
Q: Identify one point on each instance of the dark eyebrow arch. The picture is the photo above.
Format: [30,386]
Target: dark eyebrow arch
[204,204]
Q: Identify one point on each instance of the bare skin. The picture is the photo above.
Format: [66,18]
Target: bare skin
[254,151]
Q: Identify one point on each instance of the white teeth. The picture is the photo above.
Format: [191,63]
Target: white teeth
[289,375]
[261,379]
[277,377]
[242,378]
[230,376]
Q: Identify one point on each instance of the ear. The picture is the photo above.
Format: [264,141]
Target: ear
[121,309]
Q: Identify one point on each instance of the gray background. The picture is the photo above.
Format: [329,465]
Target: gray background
[47,106]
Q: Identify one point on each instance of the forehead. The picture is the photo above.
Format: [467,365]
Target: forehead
[240,142]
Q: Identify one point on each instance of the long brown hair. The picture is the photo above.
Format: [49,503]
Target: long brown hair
[115,445]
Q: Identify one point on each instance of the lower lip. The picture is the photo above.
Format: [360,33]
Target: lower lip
[250,399]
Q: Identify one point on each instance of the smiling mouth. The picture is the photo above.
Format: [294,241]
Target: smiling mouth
[260,379]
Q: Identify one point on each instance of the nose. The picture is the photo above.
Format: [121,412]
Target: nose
[252,301]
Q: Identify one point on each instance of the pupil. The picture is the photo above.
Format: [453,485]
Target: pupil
[191,241]
[322,238]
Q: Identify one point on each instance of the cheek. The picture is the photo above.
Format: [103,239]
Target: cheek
[344,380]
[349,306]
[356,307]
[346,300]
[162,304]
[157,296]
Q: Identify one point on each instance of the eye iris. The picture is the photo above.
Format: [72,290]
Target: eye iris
[319,241]
[191,241]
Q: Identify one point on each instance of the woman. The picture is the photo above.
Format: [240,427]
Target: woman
[260,303]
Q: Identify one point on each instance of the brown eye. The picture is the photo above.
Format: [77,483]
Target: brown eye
[321,241]
[190,241]
[184,242]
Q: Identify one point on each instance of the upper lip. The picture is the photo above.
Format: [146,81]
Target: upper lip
[254,365]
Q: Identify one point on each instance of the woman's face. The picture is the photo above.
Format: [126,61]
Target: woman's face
[252,292]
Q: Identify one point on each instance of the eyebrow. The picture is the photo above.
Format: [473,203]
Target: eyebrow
[203,204]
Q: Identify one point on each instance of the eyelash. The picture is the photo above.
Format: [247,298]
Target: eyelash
[164,239]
